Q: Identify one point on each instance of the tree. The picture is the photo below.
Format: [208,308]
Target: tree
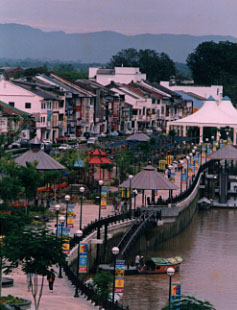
[190,303]
[36,251]
[102,281]
[215,63]
[156,66]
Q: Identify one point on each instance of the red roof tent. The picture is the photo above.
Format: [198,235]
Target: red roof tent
[98,161]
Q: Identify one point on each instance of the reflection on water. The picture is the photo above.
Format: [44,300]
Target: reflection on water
[209,248]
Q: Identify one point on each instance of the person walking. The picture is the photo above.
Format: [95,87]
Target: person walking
[137,261]
[29,277]
[51,279]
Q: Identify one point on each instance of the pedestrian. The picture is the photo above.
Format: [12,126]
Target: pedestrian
[141,262]
[137,261]
[29,277]
[51,278]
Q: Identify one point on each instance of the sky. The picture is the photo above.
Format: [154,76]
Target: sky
[195,17]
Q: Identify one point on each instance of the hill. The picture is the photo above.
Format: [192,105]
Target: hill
[20,42]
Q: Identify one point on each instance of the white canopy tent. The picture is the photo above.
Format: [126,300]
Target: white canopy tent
[212,114]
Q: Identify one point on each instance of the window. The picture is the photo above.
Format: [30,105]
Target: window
[162,110]
[153,100]
[61,104]
[11,103]
[49,105]
[28,105]
[42,119]
[43,105]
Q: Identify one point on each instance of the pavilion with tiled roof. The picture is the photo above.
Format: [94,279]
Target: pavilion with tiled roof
[35,154]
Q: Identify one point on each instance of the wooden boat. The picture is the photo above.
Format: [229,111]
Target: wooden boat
[160,265]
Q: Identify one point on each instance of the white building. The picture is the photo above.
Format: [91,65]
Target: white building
[215,91]
[123,75]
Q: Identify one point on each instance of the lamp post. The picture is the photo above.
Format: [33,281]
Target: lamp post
[61,219]
[115,252]
[78,233]
[57,209]
[187,159]
[67,198]
[82,189]
[101,182]
[181,172]
[130,192]
[170,273]
[135,195]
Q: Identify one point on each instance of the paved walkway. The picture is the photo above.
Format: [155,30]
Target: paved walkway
[62,297]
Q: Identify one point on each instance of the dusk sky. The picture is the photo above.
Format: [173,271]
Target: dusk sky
[198,17]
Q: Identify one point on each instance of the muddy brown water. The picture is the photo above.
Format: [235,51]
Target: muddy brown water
[209,272]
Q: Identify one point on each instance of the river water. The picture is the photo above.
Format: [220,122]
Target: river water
[209,272]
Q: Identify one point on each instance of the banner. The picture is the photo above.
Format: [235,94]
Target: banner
[175,292]
[172,176]
[221,143]
[162,164]
[156,192]
[49,115]
[119,276]
[59,228]
[104,191]
[190,170]
[214,146]
[70,216]
[83,256]
[208,148]
[169,159]
[66,235]
[184,176]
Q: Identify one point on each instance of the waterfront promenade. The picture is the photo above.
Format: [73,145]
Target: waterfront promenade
[63,295]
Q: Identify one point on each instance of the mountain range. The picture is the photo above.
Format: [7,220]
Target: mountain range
[21,42]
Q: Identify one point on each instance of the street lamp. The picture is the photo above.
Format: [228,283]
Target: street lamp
[78,234]
[82,189]
[170,273]
[130,192]
[67,198]
[187,158]
[57,209]
[101,182]
[181,172]
[115,252]
[61,219]
[135,195]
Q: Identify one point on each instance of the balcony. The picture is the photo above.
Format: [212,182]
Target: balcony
[41,125]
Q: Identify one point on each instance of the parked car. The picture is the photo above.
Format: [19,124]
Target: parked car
[82,139]
[64,147]
[14,145]
[113,134]
[47,141]
[92,140]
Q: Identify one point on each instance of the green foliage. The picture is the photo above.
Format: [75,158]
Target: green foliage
[157,66]
[102,281]
[215,63]
[72,75]
[190,303]
[124,160]
[9,299]
[35,250]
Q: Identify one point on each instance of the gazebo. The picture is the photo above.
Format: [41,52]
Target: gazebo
[98,157]
[228,152]
[149,179]
[138,137]
[45,162]
[218,114]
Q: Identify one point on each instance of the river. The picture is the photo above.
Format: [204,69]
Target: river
[209,272]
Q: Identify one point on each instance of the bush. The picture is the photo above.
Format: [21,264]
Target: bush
[11,300]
